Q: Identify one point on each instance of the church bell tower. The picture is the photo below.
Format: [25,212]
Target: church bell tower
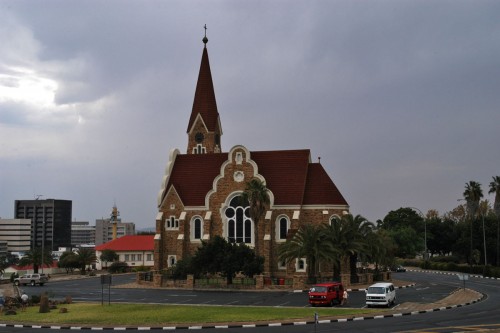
[204,128]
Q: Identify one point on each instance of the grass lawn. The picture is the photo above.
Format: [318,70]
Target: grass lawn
[95,314]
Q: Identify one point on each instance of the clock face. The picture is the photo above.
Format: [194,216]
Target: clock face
[199,137]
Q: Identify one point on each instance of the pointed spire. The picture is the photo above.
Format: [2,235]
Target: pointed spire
[204,98]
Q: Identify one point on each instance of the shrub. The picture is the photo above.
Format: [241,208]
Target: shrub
[141,268]
[118,267]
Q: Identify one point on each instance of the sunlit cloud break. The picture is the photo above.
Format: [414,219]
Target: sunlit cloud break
[26,86]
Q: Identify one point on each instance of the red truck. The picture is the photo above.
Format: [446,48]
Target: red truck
[329,293]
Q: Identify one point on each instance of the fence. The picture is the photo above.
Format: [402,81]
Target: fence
[164,279]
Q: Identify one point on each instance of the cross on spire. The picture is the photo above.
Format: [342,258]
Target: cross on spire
[205,39]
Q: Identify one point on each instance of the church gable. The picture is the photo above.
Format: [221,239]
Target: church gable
[235,172]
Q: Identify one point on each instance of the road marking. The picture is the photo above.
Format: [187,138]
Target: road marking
[421,288]
[282,304]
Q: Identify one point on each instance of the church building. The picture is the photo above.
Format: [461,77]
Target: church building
[200,191]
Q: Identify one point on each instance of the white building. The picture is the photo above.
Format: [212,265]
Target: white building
[135,250]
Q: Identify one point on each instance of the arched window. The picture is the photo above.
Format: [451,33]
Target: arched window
[172,260]
[300,265]
[172,223]
[239,223]
[282,227]
[196,228]
[334,218]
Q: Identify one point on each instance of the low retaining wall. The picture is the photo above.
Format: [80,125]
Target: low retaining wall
[259,282]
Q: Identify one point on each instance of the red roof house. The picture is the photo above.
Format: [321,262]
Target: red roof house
[135,250]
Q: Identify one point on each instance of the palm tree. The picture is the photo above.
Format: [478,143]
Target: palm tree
[34,257]
[257,196]
[495,188]
[348,235]
[85,257]
[380,249]
[311,243]
[472,195]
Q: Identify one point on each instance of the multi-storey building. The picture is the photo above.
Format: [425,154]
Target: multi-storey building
[17,234]
[104,230]
[50,221]
[82,233]
[200,196]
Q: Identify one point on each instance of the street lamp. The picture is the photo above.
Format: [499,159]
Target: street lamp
[425,230]
[484,233]
[43,235]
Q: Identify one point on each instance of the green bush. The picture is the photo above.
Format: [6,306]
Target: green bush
[141,268]
[118,267]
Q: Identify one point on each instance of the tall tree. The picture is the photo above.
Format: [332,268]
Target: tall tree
[381,249]
[495,188]
[257,196]
[108,256]
[407,229]
[472,195]
[69,261]
[311,243]
[85,257]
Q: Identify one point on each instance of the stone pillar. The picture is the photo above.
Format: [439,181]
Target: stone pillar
[369,278]
[259,282]
[157,279]
[190,281]
[345,279]
[299,282]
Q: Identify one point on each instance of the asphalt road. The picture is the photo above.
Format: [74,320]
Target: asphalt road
[90,289]
[428,288]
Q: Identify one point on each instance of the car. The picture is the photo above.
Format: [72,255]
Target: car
[32,279]
[329,293]
[398,268]
[382,293]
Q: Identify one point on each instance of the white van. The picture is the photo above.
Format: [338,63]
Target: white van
[381,294]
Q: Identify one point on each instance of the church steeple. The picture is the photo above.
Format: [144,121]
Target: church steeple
[204,128]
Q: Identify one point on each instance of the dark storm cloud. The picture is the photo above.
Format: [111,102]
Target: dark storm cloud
[399,98]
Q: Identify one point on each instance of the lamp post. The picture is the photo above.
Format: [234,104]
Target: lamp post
[425,230]
[43,236]
[484,233]
[484,240]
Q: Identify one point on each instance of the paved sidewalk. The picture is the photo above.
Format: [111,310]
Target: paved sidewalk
[459,297]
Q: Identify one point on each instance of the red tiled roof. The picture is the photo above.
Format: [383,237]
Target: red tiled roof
[285,172]
[320,188]
[288,174]
[129,243]
[193,176]
[204,97]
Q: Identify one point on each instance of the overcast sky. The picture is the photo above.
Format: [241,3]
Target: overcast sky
[400,99]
